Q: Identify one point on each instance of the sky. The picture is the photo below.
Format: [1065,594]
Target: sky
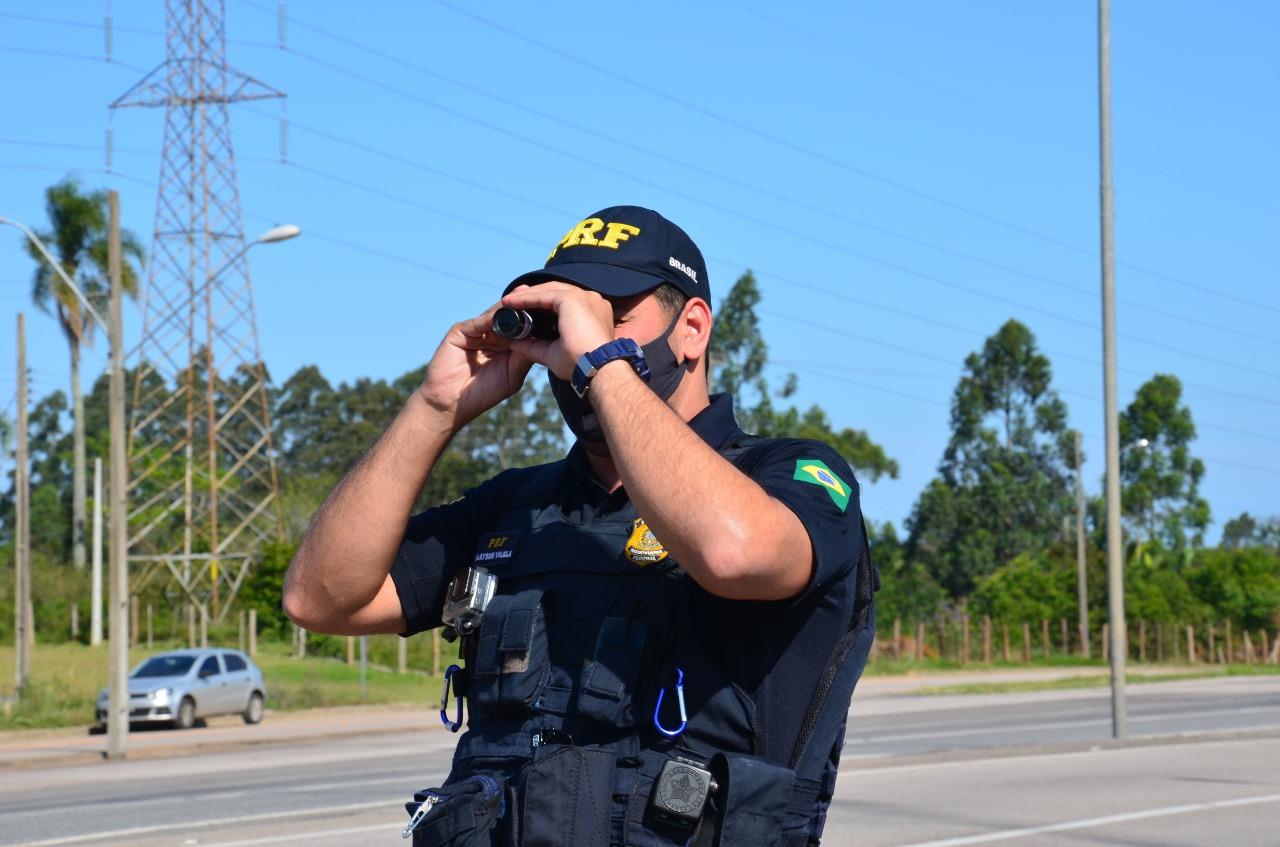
[902,178]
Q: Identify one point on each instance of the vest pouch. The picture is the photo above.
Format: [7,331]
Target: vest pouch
[752,799]
[566,797]
[609,681]
[464,813]
[512,663]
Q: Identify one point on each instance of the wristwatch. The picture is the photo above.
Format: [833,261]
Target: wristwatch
[590,363]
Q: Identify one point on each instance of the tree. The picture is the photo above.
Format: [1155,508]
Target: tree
[1160,483]
[738,356]
[1246,531]
[78,240]
[1003,484]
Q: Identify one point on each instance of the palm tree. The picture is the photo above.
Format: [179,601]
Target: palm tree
[78,240]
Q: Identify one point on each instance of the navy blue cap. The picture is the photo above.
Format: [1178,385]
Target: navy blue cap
[625,250]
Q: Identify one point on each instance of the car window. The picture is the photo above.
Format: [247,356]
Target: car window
[165,666]
[209,667]
[233,662]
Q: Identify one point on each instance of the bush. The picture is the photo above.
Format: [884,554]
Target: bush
[1240,585]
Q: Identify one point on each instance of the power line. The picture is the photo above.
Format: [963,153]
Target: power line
[413,203]
[627,144]
[727,210]
[799,148]
[839,332]
[784,23]
[834,162]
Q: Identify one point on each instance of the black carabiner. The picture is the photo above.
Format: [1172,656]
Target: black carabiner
[452,726]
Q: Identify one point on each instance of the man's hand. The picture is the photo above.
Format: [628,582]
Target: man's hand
[473,370]
[585,320]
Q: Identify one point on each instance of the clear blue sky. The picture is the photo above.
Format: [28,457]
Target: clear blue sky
[903,177]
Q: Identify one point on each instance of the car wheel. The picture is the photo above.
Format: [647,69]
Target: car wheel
[253,712]
[186,717]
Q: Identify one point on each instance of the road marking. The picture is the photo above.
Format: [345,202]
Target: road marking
[266,816]
[298,836]
[846,773]
[1166,811]
[1015,729]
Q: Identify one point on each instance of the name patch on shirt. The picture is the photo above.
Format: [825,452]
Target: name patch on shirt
[495,548]
[643,548]
[816,472]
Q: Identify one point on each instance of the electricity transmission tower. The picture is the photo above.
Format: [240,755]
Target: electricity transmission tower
[203,493]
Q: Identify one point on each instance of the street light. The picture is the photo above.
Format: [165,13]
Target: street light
[44,251]
[275,235]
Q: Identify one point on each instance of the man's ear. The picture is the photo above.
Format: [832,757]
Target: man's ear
[695,331]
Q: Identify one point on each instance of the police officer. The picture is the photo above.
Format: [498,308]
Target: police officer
[663,630]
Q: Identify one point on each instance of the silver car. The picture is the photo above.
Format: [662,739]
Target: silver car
[183,685]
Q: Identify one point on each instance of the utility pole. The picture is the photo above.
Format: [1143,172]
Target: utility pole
[1082,587]
[118,697]
[1115,543]
[95,613]
[22,608]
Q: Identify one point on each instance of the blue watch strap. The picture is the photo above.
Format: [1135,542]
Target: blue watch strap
[590,363]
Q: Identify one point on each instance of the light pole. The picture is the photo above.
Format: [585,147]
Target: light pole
[48,257]
[276,234]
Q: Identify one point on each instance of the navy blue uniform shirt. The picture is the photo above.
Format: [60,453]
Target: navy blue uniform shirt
[774,650]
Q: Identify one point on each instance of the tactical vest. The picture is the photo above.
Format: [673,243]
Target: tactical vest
[573,668]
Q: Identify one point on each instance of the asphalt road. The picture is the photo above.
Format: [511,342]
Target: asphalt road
[1204,769]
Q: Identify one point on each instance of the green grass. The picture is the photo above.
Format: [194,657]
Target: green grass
[1098,681]
[884,666]
[67,678]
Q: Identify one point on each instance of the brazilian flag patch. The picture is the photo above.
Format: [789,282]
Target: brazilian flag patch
[816,472]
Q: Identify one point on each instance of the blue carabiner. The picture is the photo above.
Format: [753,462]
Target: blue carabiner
[657,710]
[452,726]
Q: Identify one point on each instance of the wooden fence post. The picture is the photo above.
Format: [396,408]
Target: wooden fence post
[1230,642]
[1044,635]
[1008,656]
[1142,641]
[75,622]
[897,638]
[1106,642]
[351,649]
[942,636]
[1212,643]
[1026,643]
[302,643]
[1065,635]
[986,639]
[402,654]
[1275,651]
[964,655]
[920,641]
[1191,643]
[1248,647]
[1266,645]
[253,632]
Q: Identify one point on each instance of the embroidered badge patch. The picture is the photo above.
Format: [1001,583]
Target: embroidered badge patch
[816,472]
[643,548]
[495,548]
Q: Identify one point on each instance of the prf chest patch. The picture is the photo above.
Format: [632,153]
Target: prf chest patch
[495,548]
[643,548]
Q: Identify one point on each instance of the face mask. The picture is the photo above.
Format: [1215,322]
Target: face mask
[665,374]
